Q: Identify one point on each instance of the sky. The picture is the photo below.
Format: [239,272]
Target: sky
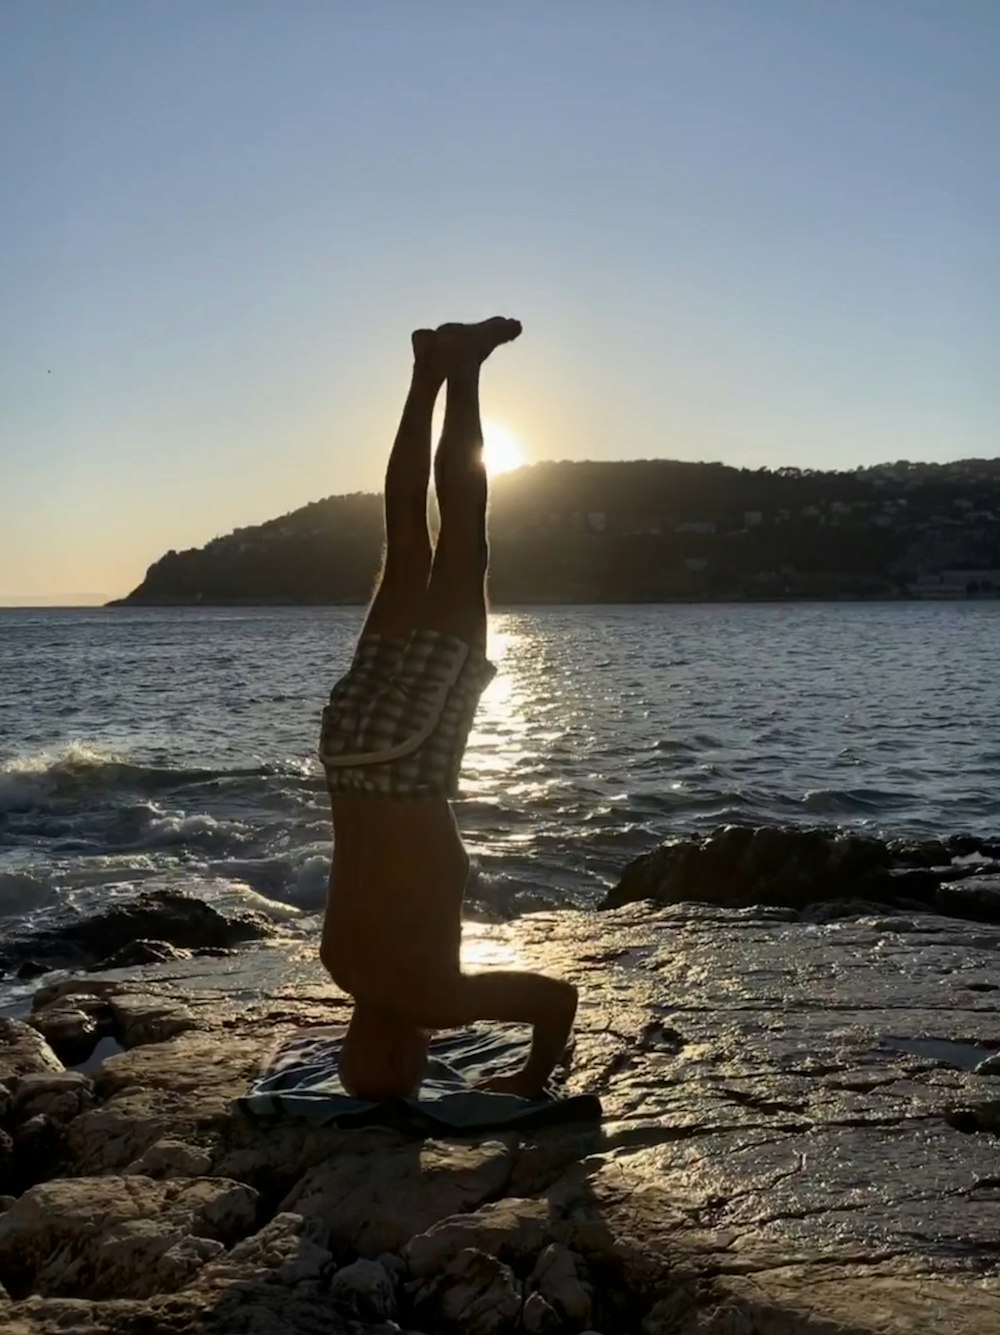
[757,231]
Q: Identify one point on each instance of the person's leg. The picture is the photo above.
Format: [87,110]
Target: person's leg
[406,565]
[456,594]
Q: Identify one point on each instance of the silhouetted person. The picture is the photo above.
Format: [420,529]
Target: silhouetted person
[393,737]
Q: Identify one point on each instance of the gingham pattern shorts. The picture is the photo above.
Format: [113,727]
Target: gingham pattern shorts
[398,722]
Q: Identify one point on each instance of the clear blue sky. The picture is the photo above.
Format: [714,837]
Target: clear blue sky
[762,231]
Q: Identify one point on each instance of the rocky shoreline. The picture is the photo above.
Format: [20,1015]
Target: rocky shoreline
[802,1111]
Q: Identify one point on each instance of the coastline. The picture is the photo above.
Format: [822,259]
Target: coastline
[782,1150]
[801,1103]
[700,600]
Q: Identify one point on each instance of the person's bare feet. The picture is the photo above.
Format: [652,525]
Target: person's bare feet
[474,342]
[453,345]
[424,344]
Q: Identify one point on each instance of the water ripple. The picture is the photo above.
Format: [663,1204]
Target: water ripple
[179,744]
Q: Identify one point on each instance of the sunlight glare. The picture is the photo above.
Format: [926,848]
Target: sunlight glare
[502,451]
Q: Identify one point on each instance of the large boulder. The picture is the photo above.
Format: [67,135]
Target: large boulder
[832,872]
[160,916]
[739,866]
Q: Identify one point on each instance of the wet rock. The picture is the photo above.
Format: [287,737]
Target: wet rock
[375,1203]
[738,865]
[29,969]
[123,1237]
[139,1018]
[365,1291]
[793,867]
[782,1150]
[854,1301]
[475,1295]
[137,953]
[161,915]
[85,991]
[976,898]
[977,1117]
[73,1026]
[23,1051]
[970,845]
[925,853]
[836,909]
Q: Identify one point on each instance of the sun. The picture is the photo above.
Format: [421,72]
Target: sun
[502,450]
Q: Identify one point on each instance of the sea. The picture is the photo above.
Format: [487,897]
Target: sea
[177,746]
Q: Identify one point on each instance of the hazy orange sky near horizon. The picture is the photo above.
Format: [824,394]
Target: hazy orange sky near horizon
[762,233]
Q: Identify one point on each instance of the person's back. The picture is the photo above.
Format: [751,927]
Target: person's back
[396,886]
[393,736]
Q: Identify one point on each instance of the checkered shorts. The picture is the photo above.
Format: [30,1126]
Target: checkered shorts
[398,722]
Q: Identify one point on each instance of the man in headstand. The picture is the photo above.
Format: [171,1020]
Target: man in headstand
[393,737]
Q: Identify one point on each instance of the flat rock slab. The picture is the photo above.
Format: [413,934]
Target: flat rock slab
[796,1141]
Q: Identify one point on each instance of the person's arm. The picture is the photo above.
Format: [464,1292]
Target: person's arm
[547,1004]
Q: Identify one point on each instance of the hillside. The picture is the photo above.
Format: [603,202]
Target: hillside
[654,530]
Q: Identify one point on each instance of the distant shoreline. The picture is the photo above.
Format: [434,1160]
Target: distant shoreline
[722,601]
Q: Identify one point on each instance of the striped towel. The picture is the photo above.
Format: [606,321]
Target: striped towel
[300,1080]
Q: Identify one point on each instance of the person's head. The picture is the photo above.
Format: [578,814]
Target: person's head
[383,1055]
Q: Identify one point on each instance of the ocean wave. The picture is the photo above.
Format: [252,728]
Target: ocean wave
[853,801]
[65,773]
[24,891]
[298,878]
[193,831]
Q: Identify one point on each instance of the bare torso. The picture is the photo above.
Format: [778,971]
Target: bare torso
[393,920]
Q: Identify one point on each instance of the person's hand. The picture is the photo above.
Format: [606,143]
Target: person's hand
[518,1082]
